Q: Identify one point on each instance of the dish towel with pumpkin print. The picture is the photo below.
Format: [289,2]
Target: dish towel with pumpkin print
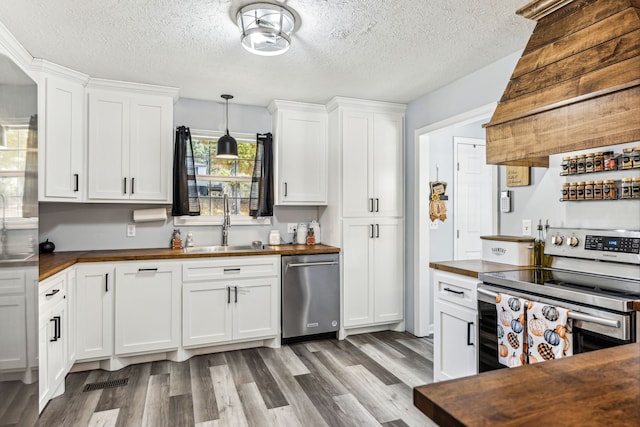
[511,317]
[548,332]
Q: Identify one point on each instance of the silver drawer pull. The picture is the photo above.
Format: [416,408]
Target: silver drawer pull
[311,264]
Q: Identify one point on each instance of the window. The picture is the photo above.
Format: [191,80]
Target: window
[217,177]
[13,155]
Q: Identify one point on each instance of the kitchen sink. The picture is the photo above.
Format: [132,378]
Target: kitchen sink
[14,257]
[231,248]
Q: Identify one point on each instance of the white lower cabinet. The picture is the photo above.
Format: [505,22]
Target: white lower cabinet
[455,321]
[52,337]
[13,334]
[147,307]
[95,291]
[232,299]
[373,273]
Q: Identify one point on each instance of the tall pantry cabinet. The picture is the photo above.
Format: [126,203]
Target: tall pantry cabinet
[364,215]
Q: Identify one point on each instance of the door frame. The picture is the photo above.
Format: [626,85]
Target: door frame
[494,187]
[422,292]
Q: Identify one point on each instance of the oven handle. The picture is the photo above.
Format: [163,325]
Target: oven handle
[572,314]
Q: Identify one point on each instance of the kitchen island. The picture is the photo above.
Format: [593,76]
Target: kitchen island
[596,388]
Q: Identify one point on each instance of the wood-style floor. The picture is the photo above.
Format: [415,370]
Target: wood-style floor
[365,380]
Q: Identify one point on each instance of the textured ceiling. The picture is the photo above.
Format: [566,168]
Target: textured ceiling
[388,50]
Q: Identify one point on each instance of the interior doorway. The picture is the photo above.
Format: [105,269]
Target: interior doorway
[422,289]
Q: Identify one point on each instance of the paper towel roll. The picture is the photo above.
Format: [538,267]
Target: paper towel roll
[148,215]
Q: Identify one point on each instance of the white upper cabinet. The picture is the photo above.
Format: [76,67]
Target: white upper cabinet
[301,167]
[130,145]
[61,138]
[372,165]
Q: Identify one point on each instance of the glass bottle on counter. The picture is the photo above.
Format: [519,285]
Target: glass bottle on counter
[538,247]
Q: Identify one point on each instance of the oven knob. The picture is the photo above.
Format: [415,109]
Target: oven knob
[557,240]
[572,241]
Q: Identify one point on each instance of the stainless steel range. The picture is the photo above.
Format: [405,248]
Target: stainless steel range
[594,273]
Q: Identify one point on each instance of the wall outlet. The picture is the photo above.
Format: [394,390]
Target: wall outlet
[433,225]
[526,227]
[131,230]
[292,227]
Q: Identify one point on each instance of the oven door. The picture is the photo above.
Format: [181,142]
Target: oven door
[593,329]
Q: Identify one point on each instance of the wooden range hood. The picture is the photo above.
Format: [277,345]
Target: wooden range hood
[576,86]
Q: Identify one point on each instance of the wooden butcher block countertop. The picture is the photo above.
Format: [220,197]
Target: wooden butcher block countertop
[473,267]
[51,264]
[598,388]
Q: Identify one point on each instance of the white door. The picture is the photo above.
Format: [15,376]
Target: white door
[473,206]
[94,310]
[255,308]
[13,352]
[388,267]
[388,160]
[150,149]
[207,313]
[357,292]
[455,351]
[357,136]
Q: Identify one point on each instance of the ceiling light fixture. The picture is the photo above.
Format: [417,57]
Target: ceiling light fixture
[266,28]
[227,147]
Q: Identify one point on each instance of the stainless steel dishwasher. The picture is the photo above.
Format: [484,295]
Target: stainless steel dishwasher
[310,295]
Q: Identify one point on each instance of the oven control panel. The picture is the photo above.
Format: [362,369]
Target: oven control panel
[590,244]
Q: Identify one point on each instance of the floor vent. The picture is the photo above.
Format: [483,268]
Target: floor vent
[106,384]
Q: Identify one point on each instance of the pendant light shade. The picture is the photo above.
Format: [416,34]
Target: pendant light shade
[266,28]
[227,146]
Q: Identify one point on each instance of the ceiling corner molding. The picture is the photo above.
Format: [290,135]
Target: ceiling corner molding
[12,48]
[538,9]
[142,88]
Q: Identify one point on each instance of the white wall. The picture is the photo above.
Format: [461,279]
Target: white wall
[85,226]
[472,91]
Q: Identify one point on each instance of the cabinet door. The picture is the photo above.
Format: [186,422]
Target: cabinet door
[57,345]
[109,119]
[255,308]
[63,153]
[388,270]
[13,334]
[71,317]
[147,307]
[94,303]
[357,134]
[150,148]
[302,158]
[206,311]
[43,355]
[357,292]
[387,172]
[454,354]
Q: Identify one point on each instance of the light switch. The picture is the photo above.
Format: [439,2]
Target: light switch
[131,230]
[526,227]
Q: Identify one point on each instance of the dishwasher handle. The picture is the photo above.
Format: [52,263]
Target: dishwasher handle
[311,264]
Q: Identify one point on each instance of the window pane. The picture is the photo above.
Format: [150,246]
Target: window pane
[12,188]
[12,160]
[245,167]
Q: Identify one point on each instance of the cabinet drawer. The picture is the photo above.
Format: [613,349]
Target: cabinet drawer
[52,291]
[456,288]
[230,268]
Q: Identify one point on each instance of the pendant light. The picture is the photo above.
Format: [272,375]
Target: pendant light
[227,147]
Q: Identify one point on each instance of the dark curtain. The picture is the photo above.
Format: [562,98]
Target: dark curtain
[30,190]
[261,201]
[185,188]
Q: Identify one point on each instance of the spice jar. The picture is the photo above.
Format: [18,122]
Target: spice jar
[565,191]
[627,158]
[635,187]
[597,190]
[610,163]
[588,190]
[580,190]
[609,190]
[625,188]
[581,163]
[636,157]
[588,164]
[573,191]
[565,165]
[598,162]
[573,165]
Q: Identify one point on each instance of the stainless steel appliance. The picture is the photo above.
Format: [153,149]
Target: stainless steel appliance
[594,273]
[310,295]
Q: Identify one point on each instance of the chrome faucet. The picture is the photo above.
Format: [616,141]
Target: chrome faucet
[226,221]
[3,231]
